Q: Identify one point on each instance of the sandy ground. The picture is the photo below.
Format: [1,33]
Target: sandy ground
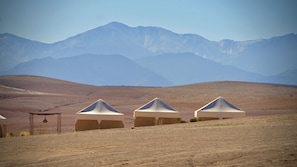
[250,141]
[266,137]
[20,95]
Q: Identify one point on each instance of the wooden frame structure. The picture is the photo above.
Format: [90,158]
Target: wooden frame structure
[2,130]
[31,118]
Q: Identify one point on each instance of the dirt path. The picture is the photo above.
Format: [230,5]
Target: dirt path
[251,141]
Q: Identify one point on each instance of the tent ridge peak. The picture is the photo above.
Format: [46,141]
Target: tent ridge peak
[156,104]
[99,106]
[219,108]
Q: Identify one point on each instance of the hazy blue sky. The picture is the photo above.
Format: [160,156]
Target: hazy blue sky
[54,20]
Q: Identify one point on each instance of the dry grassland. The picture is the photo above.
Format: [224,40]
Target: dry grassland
[266,137]
[251,141]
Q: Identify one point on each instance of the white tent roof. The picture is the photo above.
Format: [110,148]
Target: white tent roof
[1,117]
[221,108]
[219,104]
[99,110]
[156,108]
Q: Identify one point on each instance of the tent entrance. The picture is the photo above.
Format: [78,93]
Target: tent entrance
[144,121]
[107,124]
[81,125]
[151,121]
[164,121]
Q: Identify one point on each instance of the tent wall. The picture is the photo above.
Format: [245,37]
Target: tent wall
[219,115]
[151,121]
[164,121]
[81,125]
[2,130]
[106,124]
[144,121]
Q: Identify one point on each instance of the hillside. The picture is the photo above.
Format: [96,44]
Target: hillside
[91,69]
[169,69]
[23,94]
[187,68]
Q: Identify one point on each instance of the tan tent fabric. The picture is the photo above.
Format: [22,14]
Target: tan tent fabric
[2,127]
[107,124]
[219,108]
[155,112]
[98,115]
[164,121]
[144,121]
[81,125]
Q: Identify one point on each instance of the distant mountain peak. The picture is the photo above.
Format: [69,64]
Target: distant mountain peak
[8,36]
[115,24]
[262,56]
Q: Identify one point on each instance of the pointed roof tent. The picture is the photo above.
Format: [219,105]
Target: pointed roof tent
[156,108]
[155,112]
[99,107]
[98,115]
[103,111]
[219,108]
[156,105]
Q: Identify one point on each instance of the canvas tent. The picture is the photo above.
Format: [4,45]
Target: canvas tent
[98,115]
[2,127]
[155,112]
[219,108]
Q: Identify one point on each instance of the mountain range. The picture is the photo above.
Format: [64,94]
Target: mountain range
[93,70]
[116,54]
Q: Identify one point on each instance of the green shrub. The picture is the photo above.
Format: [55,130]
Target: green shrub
[181,121]
[193,120]
[24,134]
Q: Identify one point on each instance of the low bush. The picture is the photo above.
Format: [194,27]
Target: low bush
[193,120]
[181,121]
[24,134]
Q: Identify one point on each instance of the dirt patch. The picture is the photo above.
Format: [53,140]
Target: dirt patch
[251,141]
[20,95]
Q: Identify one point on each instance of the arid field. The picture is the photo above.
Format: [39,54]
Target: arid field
[266,137]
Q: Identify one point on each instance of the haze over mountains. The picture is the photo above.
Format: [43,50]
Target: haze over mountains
[116,54]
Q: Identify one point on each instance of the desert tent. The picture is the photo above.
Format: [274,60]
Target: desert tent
[98,115]
[2,127]
[219,108]
[155,112]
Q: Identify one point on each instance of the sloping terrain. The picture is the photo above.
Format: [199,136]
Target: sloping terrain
[187,68]
[23,94]
[266,137]
[91,69]
[251,141]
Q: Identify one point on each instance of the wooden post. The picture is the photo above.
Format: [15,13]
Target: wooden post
[31,116]
[2,130]
[59,123]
